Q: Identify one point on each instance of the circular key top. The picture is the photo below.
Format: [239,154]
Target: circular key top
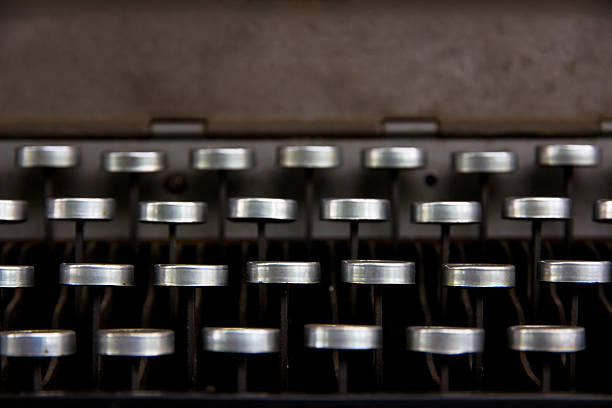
[446,212]
[602,211]
[574,271]
[240,340]
[355,209]
[96,274]
[47,156]
[173,212]
[568,155]
[309,157]
[135,342]
[133,162]
[537,208]
[485,162]
[378,272]
[13,210]
[80,208]
[191,275]
[262,209]
[478,275]
[37,343]
[394,158]
[283,272]
[342,337]
[16,276]
[222,158]
[445,340]
[548,339]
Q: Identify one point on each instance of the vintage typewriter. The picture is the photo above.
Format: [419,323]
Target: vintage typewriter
[305,203]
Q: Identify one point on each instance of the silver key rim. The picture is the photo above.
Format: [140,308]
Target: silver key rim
[547,339]
[133,162]
[37,343]
[16,276]
[96,274]
[47,156]
[370,272]
[13,210]
[309,157]
[485,162]
[537,208]
[602,211]
[445,340]
[478,275]
[355,209]
[446,212]
[86,209]
[190,275]
[262,209]
[223,158]
[342,337]
[173,212]
[241,340]
[568,155]
[574,271]
[399,158]
[135,342]
[295,273]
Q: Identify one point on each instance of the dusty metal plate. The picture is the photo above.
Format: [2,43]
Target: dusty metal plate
[303,67]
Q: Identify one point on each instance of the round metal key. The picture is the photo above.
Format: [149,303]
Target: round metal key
[241,340]
[86,209]
[47,156]
[394,158]
[478,275]
[602,211]
[568,155]
[262,209]
[173,212]
[378,272]
[13,210]
[485,162]
[355,209]
[537,208]
[96,274]
[309,157]
[446,212]
[190,275]
[445,340]
[284,272]
[135,342]
[574,271]
[37,343]
[342,337]
[547,339]
[16,276]
[133,162]
[222,158]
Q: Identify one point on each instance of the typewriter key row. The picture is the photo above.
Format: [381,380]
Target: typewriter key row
[137,346]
